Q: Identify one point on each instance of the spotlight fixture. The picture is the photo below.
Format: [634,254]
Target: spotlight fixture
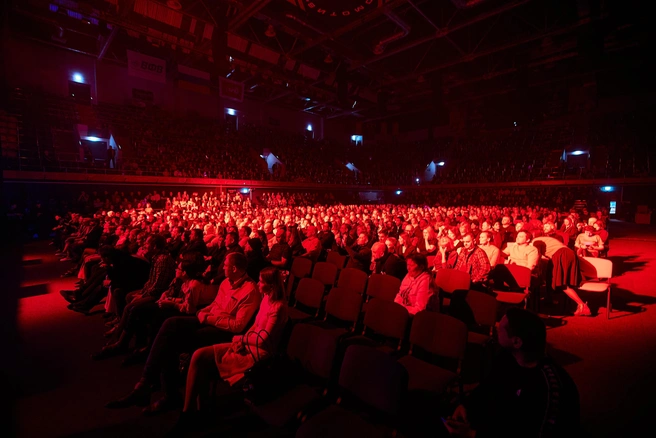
[270,32]
[379,49]
[328,59]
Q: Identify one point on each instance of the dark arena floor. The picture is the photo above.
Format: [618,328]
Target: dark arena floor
[62,392]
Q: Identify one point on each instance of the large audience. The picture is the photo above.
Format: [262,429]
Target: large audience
[243,288]
[207,280]
[158,143]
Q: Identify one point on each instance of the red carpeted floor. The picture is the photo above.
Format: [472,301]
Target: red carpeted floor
[63,391]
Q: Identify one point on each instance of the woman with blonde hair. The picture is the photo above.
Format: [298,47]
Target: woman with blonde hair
[446,255]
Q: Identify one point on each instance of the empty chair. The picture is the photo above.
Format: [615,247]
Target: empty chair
[386,320]
[352,279]
[449,280]
[596,274]
[301,268]
[384,287]
[309,295]
[343,305]
[484,310]
[336,259]
[326,273]
[440,335]
[314,349]
[370,381]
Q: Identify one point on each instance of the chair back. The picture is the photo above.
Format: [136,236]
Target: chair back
[596,268]
[449,280]
[439,334]
[384,287]
[326,273]
[301,267]
[310,293]
[314,347]
[336,259]
[344,304]
[375,378]
[352,279]
[484,308]
[386,318]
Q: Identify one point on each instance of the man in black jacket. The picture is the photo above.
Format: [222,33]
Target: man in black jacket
[526,394]
[174,243]
[385,263]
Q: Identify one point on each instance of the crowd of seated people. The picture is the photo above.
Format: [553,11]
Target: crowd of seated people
[179,272]
[166,144]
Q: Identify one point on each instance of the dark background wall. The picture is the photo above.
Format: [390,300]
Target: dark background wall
[49,68]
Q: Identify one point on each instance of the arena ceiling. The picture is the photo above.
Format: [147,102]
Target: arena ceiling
[362,59]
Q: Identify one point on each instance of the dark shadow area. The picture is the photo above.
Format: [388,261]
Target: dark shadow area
[33,291]
[623,264]
[562,357]
[136,427]
[620,229]
[32,262]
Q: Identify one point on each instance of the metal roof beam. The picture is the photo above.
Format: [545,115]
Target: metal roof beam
[439,34]
[472,56]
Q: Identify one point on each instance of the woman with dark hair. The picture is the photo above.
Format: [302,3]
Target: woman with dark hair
[414,293]
[294,241]
[229,361]
[265,242]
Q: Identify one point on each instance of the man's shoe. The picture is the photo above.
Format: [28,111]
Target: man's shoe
[69,295]
[79,308]
[162,405]
[111,331]
[108,351]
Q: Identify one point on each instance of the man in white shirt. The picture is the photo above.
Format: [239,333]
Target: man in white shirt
[521,253]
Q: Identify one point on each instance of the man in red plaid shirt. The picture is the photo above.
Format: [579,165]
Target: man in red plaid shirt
[474,261]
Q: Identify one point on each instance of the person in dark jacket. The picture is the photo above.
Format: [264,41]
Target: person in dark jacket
[256,260]
[526,394]
[122,272]
[196,243]
[383,262]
